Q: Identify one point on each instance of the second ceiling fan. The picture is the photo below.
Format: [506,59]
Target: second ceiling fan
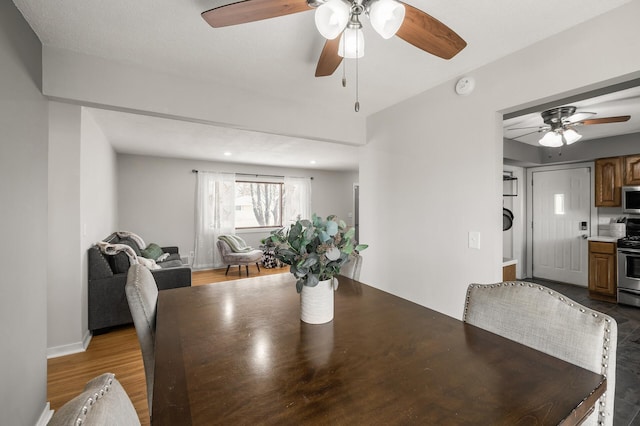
[339,22]
[560,123]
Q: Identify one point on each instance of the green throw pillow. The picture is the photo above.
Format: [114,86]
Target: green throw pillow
[153,251]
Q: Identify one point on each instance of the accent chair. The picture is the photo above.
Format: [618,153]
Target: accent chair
[239,255]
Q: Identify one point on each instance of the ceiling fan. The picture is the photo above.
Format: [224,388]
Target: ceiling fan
[560,123]
[339,22]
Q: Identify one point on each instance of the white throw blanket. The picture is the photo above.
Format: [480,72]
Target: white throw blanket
[138,240]
[148,263]
[113,249]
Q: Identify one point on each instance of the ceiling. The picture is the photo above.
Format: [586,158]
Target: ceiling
[277,58]
[524,127]
[146,135]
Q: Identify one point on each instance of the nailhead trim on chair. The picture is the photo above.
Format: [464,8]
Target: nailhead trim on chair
[92,400]
[606,337]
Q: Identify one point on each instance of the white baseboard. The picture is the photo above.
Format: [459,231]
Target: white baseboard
[46,415]
[72,348]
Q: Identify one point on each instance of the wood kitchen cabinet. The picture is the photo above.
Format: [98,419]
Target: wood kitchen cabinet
[509,273]
[608,182]
[602,271]
[632,170]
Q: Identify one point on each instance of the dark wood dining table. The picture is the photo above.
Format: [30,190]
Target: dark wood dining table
[236,353]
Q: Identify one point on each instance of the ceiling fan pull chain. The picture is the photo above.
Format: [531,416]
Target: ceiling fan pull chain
[357,105]
[344,70]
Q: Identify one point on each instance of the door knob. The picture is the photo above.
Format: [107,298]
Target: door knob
[584,236]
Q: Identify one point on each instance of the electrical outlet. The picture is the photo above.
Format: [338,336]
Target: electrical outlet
[474,239]
[191,254]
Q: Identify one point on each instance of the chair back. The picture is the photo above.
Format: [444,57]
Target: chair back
[224,250]
[547,321]
[142,296]
[353,267]
[103,402]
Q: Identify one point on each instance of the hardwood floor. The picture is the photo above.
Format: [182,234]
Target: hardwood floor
[217,275]
[118,352]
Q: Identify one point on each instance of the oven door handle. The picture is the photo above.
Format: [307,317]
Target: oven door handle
[628,290]
[637,253]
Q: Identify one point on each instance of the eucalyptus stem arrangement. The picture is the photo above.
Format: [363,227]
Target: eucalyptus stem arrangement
[316,249]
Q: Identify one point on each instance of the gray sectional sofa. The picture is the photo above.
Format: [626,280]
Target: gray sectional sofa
[108,305]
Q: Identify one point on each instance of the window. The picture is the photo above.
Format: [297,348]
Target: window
[558,203]
[258,204]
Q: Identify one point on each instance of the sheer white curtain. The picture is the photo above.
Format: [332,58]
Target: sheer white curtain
[215,215]
[297,199]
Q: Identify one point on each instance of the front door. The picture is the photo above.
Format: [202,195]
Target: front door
[561,209]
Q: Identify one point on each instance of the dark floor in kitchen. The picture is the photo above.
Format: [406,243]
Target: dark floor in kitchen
[627,401]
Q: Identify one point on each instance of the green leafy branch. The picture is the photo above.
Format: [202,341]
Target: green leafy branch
[315,249]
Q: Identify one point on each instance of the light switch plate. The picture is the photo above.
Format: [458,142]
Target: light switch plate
[474,239]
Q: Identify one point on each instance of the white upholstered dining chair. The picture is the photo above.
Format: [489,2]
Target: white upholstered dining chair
[545,320]
[142,296]
[102,402]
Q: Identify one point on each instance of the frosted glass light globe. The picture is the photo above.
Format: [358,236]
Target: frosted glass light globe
[386,17]
[551,139]
[351,44]
[331,18]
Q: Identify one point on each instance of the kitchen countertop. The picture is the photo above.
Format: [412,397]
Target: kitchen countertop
[507,262]
[603,239]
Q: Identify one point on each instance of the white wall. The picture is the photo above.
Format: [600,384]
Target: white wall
[64,285]
[425,183]
[82,210]
[426,180]
[91,79]
[156,196]
[98,198]
[23,223]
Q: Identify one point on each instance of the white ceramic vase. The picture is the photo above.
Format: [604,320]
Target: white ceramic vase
[316,303]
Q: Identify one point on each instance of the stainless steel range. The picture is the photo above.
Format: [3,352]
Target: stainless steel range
[629,265]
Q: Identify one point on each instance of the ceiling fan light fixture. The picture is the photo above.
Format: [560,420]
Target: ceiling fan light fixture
[551,139]
[386,17]
[571,136]
[332,17]
[351,43]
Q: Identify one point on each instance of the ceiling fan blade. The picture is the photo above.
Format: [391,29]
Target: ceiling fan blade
[578,116]
[427,33]
[605,120]
[540,128]
[329,58]
[529,133]
[252,10]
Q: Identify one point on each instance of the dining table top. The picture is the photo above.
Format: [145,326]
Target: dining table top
[237,353]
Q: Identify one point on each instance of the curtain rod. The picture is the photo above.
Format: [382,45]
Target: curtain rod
[259,175]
